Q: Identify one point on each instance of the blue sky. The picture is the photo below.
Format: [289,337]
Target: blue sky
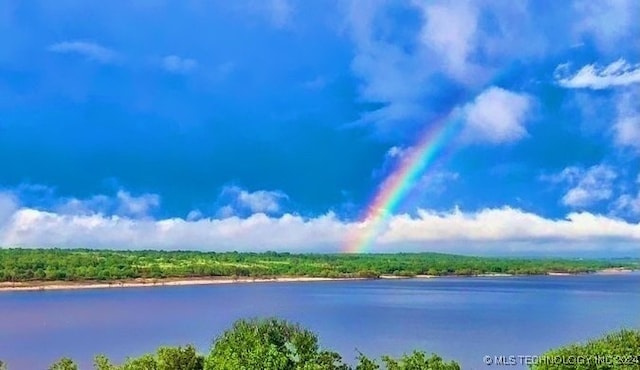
[257,125]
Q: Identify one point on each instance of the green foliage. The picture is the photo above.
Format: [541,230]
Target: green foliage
[365,363]
[415,361]
[615,351]
[179,358]
[328,360]
[24,265]
[269,344]
[165,358]
[3,366]
[101,362]
[272,344]
[64,363]
[419,361]
[145,362]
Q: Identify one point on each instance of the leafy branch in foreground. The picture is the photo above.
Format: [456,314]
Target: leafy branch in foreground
[272,344]
[261,344]
[619,350]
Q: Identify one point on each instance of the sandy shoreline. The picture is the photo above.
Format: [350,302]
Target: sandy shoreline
[614,271]
[140,283]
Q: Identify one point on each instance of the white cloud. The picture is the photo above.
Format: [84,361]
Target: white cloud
[400,63]
[436,181]
[608,22]
[122,204]
[586,186]
[176,64]
[137,206]
[396,152]
[89,50]
[450,29]
[628,131]
[508,225]
[422,189]
[450,43]
[455,38]
[95,204]
[569,175]
[497,116]
[29,227]
[629,204]
[8,205]
[627,125]
[592,76]
[194,215]
[260,201]
[581,196]
[496,230]
[389,74]
[226,211]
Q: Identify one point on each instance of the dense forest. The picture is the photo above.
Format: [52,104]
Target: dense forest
[24,265]
[272,344]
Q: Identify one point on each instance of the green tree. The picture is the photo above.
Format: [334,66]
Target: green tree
[179,358]
[615,351]
[365,363]
[419,361]
[145,362]
[165,358]
[328,360]
[3,366]
[101,362]
[269,344]
[64,363]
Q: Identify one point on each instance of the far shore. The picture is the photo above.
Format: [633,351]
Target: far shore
[139,283]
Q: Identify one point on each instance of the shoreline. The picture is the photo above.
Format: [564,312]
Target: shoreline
[142,283]
[26,286]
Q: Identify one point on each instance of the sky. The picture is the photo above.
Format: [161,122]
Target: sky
[475,127]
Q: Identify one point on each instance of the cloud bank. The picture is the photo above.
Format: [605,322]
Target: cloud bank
[488,231]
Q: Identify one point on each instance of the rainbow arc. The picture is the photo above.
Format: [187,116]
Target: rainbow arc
[414,164]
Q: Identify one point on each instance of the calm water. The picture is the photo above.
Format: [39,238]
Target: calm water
[459,318]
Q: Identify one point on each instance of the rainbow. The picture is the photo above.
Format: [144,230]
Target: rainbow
[398,184]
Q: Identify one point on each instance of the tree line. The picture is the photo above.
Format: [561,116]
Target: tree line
[24,265]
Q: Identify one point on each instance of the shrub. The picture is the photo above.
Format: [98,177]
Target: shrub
[616,351]
[269,344]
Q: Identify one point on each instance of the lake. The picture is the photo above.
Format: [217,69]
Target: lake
[459,318]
